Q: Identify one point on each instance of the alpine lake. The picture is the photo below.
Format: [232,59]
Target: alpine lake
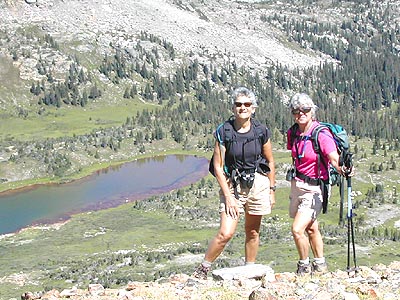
[110,187]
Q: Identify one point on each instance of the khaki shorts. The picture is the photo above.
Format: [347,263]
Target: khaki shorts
[254,201]
[305,198]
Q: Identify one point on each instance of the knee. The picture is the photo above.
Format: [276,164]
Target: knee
[224,236]
[312,231]
[252,234]
[297,231]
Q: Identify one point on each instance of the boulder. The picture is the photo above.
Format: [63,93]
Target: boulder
[255,271]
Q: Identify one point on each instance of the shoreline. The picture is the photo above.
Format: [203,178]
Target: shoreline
[88,171]
[64,218]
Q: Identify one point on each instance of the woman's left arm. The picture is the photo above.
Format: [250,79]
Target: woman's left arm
[334,160]
[342,170]
[267,153]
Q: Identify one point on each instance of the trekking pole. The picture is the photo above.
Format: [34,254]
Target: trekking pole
[341,204]
[350,225]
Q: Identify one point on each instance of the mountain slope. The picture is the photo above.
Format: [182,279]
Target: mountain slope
[209,27]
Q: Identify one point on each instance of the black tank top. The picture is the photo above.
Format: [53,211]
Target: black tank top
[245,149]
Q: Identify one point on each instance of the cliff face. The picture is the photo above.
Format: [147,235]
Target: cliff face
[378,282]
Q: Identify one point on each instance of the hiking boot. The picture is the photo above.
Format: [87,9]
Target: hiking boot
[319,268]
[201,272]
[303,269]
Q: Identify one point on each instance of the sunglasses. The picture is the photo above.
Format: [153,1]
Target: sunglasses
[304,110]
[246,104]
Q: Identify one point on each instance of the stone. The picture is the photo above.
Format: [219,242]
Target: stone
[68,292]
[96,289]
[255,271]
[350,296]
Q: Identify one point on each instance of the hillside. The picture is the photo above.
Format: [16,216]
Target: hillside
[85,84]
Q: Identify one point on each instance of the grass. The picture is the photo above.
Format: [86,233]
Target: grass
[86,236]
[69,121]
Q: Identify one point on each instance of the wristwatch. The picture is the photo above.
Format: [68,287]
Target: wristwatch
[273,188]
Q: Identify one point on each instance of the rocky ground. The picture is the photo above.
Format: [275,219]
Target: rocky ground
[378,282]
[218,29]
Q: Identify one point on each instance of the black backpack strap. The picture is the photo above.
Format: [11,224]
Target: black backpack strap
[323,185]
[226,138]
[228,133]
[317,148]
[260,131]
[223,134]
[293,130]
[260,134]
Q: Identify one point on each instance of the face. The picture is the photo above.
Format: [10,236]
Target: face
[302,115]
[243,107]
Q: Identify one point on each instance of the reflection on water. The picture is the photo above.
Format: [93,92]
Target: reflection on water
[105,188]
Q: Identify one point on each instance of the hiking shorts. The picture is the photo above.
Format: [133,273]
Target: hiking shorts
[254,201]
[305,198]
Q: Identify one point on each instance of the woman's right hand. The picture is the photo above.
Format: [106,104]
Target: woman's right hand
[231,207]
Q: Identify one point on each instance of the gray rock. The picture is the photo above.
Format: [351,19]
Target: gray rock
[250,272]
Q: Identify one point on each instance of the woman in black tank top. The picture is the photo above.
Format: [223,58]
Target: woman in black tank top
[246,187]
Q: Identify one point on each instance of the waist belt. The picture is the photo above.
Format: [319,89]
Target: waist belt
[309,180]
[237,175]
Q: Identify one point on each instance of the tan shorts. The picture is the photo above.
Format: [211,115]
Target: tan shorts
[254,201]
[305,198]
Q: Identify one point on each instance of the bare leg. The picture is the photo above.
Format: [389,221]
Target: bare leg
[300,223]
[252,230]
[315,238]
[227,229]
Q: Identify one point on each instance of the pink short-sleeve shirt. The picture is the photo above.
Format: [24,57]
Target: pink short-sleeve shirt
[306,160]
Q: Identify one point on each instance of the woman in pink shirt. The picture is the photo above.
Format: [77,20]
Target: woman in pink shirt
[306,196]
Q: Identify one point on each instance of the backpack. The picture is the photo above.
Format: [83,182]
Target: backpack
[228,137]
[342,144]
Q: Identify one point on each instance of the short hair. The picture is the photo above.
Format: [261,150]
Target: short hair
[243,91]
[300,100]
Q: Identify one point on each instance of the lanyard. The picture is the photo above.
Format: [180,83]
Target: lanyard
[297,142]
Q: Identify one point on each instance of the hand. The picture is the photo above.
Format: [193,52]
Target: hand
[272,199]
[348,172]
[232,209]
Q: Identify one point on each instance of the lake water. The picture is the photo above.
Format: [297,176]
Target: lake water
[106,188]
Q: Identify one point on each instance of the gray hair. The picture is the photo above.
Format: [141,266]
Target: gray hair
[301,100]
[243,91]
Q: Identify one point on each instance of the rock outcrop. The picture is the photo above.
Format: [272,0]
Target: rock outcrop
[377,282]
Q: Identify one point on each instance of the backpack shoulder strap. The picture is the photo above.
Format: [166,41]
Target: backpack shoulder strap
[314,137]
[260,131]
[315,142]
[224,132]
[293,129]
[228,131]
[218,133]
